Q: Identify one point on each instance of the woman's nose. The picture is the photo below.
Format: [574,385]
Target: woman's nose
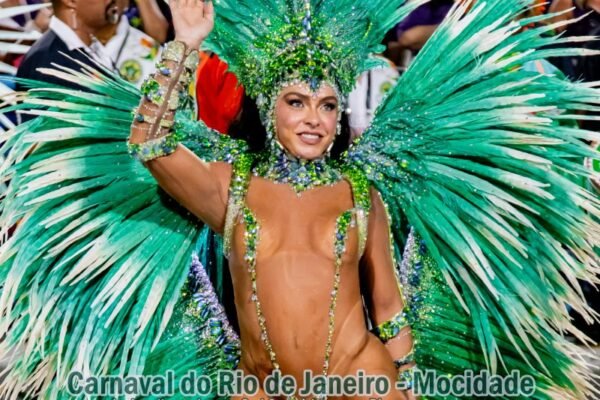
[312,117]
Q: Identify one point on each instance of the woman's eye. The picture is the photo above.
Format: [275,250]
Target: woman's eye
[295,103]
[330,106]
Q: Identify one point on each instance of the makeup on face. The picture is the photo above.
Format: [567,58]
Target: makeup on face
[306,121]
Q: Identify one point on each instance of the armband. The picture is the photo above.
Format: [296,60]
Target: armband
[405,379]
[392,327]
[162,94]
[155,148]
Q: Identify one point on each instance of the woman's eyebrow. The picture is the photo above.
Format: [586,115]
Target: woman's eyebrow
[303,96]
[307,97]
[329,98]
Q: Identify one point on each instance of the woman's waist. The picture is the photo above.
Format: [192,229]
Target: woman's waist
[299,341]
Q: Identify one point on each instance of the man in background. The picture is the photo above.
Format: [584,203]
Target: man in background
[132,53]
[370,90]
[69,41]
[92,33]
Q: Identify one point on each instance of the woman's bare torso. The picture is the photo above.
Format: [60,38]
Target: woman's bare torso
[295,273]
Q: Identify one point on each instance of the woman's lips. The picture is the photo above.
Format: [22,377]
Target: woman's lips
[310,138]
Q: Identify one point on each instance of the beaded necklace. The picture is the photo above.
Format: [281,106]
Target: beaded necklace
[279,166]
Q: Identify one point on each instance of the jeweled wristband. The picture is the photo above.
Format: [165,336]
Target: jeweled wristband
[392,327]
[155,93]
[156,148]
[405,379]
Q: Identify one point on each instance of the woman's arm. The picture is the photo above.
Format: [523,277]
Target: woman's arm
[199,186]
[384,296]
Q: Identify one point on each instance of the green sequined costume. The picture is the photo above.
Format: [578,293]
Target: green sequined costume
[468,148]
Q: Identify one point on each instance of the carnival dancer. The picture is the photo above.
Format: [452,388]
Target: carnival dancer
[469,154]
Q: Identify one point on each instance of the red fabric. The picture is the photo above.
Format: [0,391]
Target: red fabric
[218,94]
[17,61]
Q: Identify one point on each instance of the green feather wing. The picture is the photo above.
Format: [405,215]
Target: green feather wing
[96,269]
[476,153]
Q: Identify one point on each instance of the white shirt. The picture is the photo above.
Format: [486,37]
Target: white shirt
[96,51]
[66,34]
[131,52]
[372,86]
[116,44]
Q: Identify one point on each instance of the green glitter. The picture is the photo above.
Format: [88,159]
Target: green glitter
[300,39]
[278,166]
[152,149]
[392,327]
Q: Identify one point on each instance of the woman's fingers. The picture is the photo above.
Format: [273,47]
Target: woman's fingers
[179,4]
[193,20]
[209,9]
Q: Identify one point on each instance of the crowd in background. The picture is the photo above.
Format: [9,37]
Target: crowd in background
[125,36]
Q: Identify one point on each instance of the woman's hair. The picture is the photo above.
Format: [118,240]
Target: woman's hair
[250,128]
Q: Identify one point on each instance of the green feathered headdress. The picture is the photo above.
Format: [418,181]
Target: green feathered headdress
[268,43]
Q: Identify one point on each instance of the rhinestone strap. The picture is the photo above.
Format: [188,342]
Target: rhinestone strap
[240,179]
[362,200]
[251,242]
[341,235]
[151,149]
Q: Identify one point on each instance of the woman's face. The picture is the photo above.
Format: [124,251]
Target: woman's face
[306,122]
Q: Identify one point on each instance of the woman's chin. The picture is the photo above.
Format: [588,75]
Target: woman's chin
[309,153]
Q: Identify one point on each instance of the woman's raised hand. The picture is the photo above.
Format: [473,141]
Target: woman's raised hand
[193,20]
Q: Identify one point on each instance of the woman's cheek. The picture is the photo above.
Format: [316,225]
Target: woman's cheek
[331,124]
